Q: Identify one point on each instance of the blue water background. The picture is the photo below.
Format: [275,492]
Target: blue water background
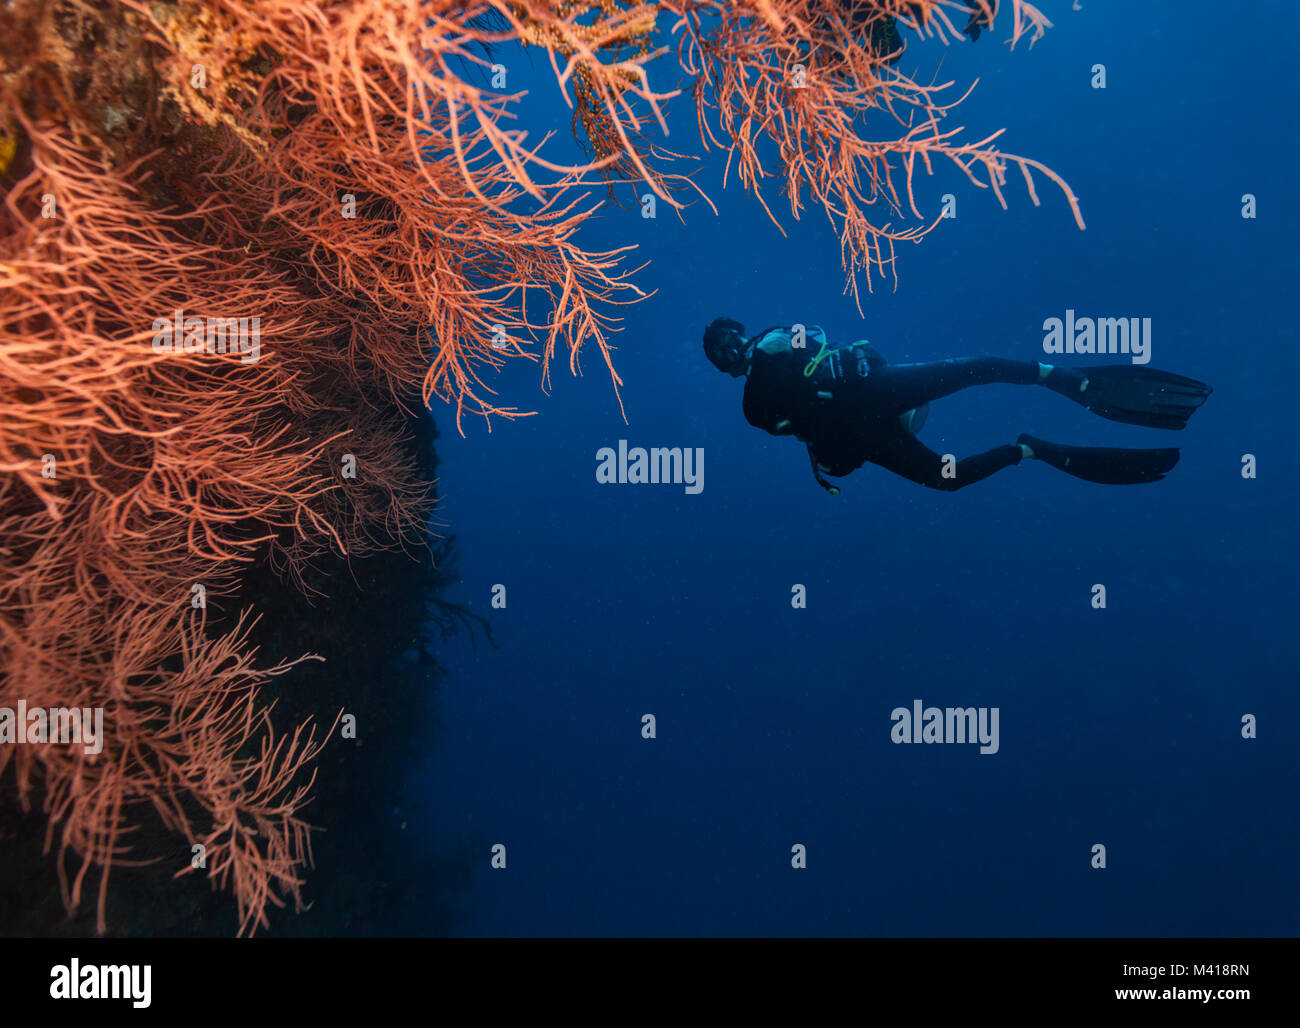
[1119,727]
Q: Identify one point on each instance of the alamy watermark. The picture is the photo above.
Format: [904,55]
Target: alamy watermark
[946,725]
[1098,335]
[78,726]
[657,466]
[179,334]
[74,980]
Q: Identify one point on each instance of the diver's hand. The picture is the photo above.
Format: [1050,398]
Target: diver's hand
[817,469]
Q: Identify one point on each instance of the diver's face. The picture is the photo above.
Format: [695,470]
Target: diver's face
[737,360]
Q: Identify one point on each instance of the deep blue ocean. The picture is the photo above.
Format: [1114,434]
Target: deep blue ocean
[1120,727]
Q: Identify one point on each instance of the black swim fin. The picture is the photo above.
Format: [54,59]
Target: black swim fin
[1107,465]
[1130,393]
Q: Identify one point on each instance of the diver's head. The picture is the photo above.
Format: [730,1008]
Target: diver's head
[726,346]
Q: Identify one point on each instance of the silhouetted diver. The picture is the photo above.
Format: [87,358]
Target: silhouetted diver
[850,406]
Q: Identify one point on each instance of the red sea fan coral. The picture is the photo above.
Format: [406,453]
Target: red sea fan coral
[134,477]
[390,182]
[821,81]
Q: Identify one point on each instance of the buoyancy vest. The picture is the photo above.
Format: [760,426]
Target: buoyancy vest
[792,389]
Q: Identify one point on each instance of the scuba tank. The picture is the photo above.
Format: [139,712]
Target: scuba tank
[830,368]
[914,420]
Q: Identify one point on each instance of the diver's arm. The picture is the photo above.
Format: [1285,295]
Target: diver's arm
[772,401]
[817,473]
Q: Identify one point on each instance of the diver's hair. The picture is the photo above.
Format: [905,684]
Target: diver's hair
[715,337]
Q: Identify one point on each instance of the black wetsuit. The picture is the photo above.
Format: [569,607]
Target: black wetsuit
[854,406]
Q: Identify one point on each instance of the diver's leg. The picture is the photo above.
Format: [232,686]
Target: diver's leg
[896,388]
[904,454]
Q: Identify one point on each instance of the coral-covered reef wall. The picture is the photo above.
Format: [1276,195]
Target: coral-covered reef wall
[242,244]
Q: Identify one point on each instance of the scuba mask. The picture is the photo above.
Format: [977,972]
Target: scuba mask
[726,346]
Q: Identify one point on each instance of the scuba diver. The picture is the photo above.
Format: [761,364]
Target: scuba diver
[849,405]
